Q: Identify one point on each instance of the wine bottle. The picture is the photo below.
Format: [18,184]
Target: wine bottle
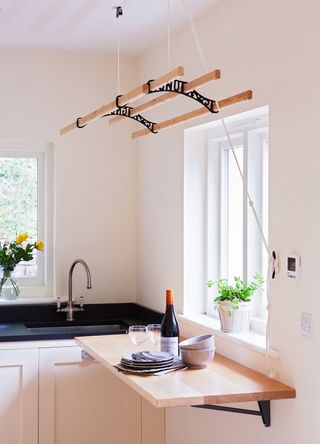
[169,327]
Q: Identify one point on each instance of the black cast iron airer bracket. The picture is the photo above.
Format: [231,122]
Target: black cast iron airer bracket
[125,111]
[178,87]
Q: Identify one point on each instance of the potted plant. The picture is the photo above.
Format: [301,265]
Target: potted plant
[10,255]
[234,302]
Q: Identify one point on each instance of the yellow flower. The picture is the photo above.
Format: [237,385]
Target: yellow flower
[21,238]
[39,245]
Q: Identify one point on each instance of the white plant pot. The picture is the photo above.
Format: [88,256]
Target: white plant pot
[234,321]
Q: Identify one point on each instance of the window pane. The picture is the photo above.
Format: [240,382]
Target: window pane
[19,203]
[235,214]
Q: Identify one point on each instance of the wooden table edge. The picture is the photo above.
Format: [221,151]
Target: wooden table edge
[285,392]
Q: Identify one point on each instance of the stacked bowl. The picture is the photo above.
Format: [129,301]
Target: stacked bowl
[197,352]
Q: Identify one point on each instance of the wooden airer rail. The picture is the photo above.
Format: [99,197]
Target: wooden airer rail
[199,81]
[171,88]
[246,95]
[131,96]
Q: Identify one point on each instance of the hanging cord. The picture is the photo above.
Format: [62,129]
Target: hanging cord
[168,35]
[272,260]
[119,13]
[251,203]
[206,67]
[195,34]
[273,266]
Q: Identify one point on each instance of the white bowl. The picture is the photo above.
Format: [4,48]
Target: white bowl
[198,342]
[197,358]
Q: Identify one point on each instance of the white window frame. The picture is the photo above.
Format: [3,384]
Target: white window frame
[217,214]
[41,285]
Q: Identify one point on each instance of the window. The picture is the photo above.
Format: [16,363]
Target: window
[237,249]
[26,206]
[223,241]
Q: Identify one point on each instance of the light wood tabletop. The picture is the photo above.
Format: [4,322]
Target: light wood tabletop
[223,381]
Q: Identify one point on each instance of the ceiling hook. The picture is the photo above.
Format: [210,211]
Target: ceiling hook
[119,11]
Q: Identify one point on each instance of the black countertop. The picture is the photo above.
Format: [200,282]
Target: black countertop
[15,320]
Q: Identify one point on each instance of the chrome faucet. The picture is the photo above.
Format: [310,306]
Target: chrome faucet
[70,308]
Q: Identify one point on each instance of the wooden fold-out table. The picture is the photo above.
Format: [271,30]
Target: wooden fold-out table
[223,381]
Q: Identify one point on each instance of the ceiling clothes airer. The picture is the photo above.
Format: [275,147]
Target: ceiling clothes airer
[168,85]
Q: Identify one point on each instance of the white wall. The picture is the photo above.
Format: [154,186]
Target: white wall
[271,47]
[94,167]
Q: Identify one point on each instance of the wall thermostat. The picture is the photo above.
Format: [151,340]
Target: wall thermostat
[293,266]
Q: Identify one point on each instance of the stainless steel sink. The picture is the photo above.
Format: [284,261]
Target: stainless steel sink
[77,328]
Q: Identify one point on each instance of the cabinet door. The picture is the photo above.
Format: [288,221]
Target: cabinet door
[80,402]
[19,396]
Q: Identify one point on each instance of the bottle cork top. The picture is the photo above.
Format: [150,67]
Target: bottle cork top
[169,297]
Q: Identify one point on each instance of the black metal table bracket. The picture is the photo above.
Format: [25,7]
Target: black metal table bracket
[264,410]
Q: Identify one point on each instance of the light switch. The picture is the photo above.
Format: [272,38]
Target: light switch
[306,325]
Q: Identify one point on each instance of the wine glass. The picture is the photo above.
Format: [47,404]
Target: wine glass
[138,334]
[154,333]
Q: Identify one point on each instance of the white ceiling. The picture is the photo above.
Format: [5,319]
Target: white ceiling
[91,25]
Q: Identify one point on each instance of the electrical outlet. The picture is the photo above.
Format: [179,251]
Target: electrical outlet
[306,325]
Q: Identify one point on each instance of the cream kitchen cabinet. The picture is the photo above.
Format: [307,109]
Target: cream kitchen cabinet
[19,396]
[79,401]
[49,394]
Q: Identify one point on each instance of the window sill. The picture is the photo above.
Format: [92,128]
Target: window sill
[251,340]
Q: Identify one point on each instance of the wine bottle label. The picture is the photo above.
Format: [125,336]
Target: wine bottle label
[170,345]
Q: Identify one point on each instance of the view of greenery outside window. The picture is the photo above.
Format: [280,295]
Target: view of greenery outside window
[19,205]
[26,206]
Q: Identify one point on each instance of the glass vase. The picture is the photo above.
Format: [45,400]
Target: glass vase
[9,288]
